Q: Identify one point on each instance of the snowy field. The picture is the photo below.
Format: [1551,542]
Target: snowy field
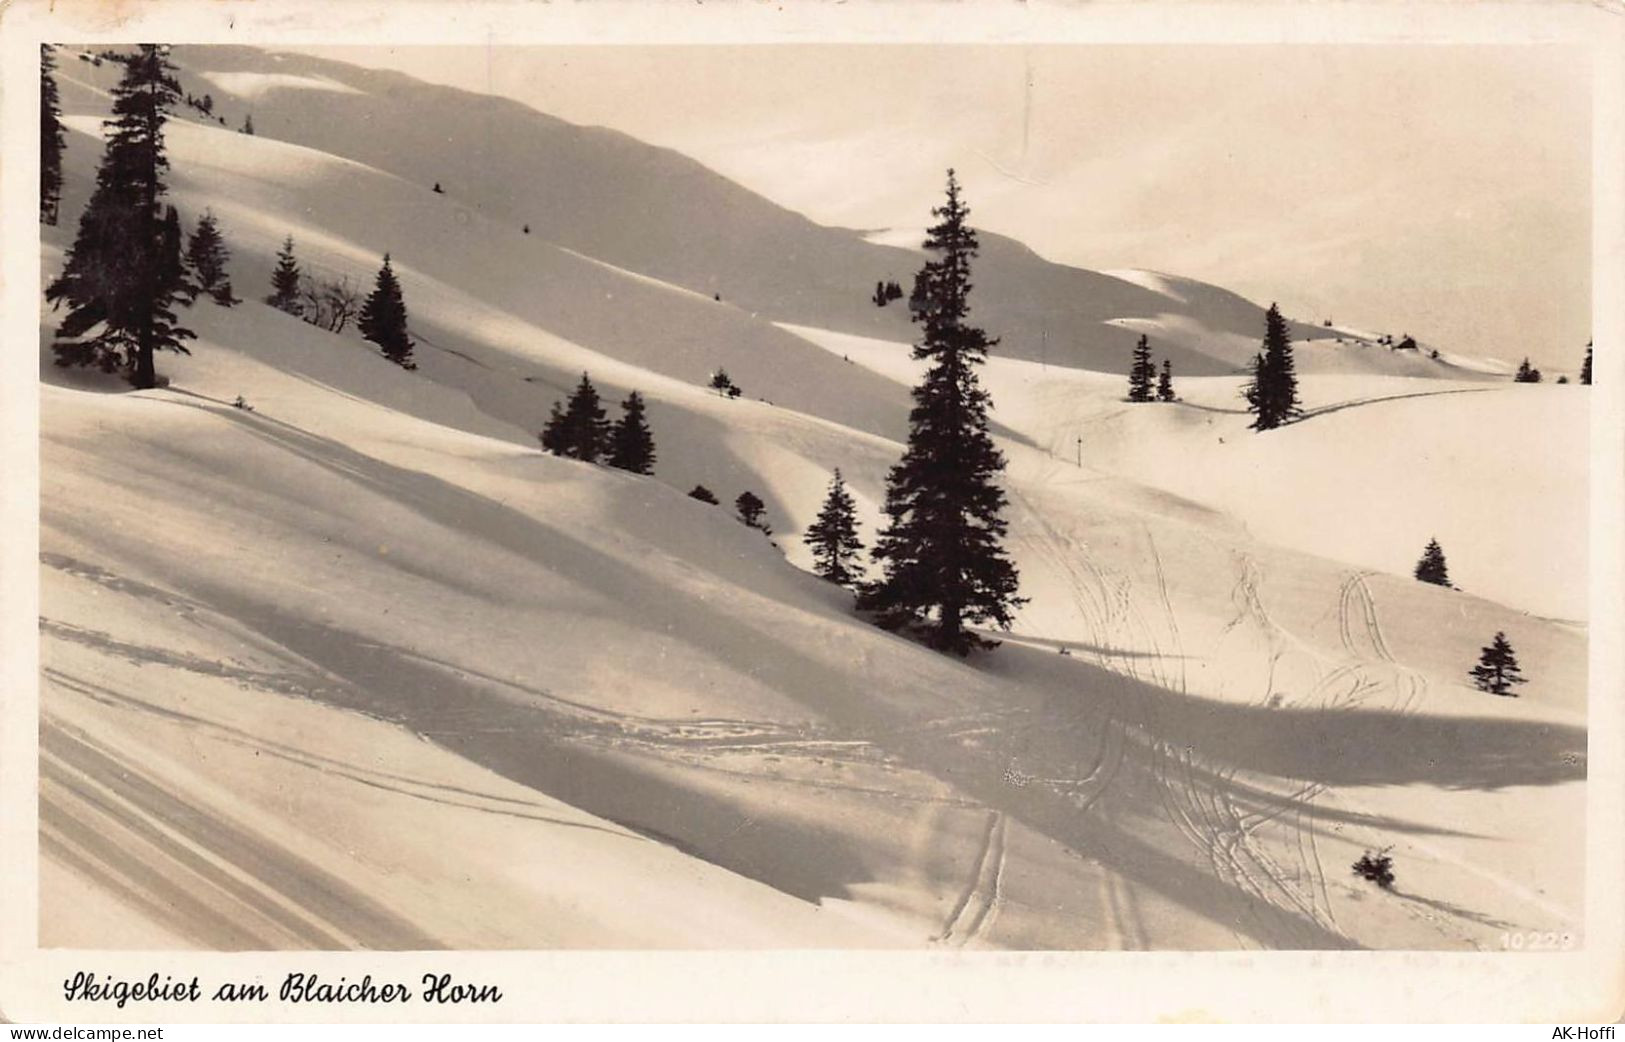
[363,667]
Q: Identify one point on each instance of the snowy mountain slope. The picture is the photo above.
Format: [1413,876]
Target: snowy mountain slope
[1436,459]
[375,554]
[658,213]
[498,605]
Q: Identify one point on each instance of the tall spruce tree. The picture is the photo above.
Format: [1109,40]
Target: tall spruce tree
[1431,568]
[383,318]
[285,279]
[579,430]
[1585,367]
[833,536]
[1141,372]
[124,273]
[631,446]
[51,137]
[1497,670]
[1272,396]
[943,564]
[1165,382]
[206,251]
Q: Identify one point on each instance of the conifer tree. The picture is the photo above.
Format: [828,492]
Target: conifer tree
[1141,372]
[285,278]
[173,269]
[51,137]
[248,124]
[703,494]
[1585,367]
[833,537]
[1165,382]
[206,251]
[750,507]
[1497,668]
[124,272]
[1431,568]
[1249,390]
[879,296]
[631,446]
[579,430]
[943,563]
[552,435]
[1272,396]
[1527,374]
[383,318]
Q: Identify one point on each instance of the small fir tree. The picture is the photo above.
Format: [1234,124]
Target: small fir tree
[206,251]
[248,124]
[173,268]
[703,494]
[751,507]
[1585,367]
[1272,396]
[833,536]
[1497,669]
[1141,372]
[1527,374]
[383,318]
[579,430]
[944,567]
[124,272]
[631,446]
[1165,382]
[552,436]
[51,138]
[1431,568]
[285,280]
[879,296]
[1378,867]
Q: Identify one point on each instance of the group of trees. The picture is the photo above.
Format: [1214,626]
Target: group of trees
[128,270]
[1497,670]
[331,302]
[1143,371]
[1528,374]
[723,384]
[886,292]
[579,429]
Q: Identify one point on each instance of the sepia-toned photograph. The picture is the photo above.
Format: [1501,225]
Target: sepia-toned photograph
[813,495]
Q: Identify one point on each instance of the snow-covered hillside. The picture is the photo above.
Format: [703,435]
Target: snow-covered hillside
[361,666]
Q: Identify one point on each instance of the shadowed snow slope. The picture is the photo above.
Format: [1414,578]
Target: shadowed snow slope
[358,665]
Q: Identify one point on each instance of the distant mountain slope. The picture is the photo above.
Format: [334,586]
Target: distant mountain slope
[658,213]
